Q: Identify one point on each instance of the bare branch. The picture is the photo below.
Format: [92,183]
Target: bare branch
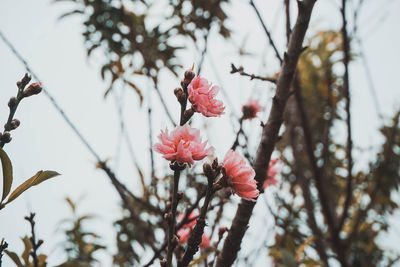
[270,133]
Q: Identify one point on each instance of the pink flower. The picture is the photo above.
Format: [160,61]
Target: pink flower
[240,177]
[202,96]
[273,170]
[251,109]
[183,145]
[185,231]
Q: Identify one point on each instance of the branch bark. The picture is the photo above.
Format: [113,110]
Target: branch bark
[270,132]
[346,61]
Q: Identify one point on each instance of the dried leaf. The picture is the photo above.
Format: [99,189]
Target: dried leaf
[38,178]
[7,173]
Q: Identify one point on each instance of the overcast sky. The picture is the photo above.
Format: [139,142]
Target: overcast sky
[55,51]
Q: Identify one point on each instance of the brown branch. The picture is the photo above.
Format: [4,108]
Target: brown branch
[35,245]
[346,61]
[270,133]
[3,246]
[326,210]
[287,13]
[278,56]
[293,121]
[241,71]
[196,235]
[12,124]
[172,216]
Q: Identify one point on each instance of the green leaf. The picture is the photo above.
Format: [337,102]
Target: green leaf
[7,173]
[14,257]
[38,178]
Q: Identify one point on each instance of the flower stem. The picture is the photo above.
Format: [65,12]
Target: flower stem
[171,226]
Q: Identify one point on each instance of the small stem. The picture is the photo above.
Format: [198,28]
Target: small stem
[21,85]
[35,245]
[236,142]
[171,226]
[3,246]
[196,235]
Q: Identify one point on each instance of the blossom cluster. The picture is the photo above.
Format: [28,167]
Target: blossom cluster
[185,146]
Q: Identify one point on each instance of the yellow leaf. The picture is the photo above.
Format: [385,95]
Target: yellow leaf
[39,177]
[14,257]
[303,247]
[27,250]
[7,173]
[42,260]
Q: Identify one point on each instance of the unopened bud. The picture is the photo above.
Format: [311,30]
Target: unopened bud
[189,75]
[14,124]
[188,113]
[26,79]
[215,163]
[6,137]
[40,242]
[33,89]
[12,102]
[168,205]
[208,171]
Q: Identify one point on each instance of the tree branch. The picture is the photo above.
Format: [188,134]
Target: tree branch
[270,133]
[346,61]
[266,32]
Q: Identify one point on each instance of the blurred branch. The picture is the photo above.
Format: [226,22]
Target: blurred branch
[267,32]
[326,210]
[361,213]
[270,133]
[304,183]
[287,13]
[346,62]
[241,71]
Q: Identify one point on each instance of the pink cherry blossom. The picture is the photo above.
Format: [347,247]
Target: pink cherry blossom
[185,231]
[240,177]
[251,108]
[273,170]
[202,96]
[183,145]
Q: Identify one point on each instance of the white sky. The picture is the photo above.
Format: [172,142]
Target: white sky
[55,51]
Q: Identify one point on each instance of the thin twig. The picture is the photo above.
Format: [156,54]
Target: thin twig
[35,245]
[3,246]
[241,71]
[346,62]
[195,237]
[13,105]
[267,32]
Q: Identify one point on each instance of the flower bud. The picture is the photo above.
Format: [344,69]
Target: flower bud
[33,89]
[12,102]
[208,171]
[163,262]
[189,75]
[188,113]
[14,124]
[6,137]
